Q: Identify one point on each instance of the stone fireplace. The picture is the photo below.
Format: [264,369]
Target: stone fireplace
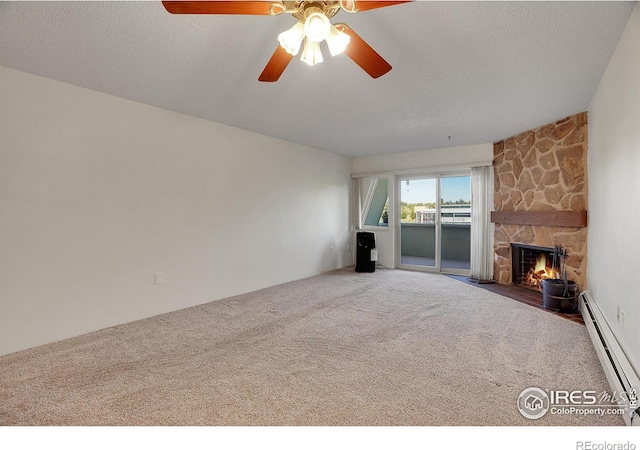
[540,196]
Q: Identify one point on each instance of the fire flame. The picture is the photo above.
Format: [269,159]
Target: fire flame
[541,264]
[540,272]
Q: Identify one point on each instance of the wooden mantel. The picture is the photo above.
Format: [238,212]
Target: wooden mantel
[545,218]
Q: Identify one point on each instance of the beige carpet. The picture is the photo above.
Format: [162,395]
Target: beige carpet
[386,348]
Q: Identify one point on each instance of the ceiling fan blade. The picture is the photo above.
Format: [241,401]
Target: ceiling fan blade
[257,8]
[363,55]
[361,5]
[276,65]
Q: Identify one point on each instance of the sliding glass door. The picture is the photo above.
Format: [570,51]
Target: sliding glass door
[435,223]
[418,220]
[455,223]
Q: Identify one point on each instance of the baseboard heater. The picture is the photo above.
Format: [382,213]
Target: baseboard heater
[620,374]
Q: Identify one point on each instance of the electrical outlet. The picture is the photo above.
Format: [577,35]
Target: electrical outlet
[159,277]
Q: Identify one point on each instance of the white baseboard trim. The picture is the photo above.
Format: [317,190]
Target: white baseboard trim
[620,374]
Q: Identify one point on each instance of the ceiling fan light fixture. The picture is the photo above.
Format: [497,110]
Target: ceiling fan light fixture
[316,24]
[337,41]
[311,54]
[291,39]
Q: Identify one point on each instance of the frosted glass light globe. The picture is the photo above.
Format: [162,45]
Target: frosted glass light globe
[291,39]
[317,26]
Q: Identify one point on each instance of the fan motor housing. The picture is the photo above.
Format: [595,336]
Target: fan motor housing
[297,8]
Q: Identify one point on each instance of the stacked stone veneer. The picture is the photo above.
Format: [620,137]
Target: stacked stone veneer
[540,170]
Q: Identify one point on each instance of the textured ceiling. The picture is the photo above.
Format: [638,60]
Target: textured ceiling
[475,71]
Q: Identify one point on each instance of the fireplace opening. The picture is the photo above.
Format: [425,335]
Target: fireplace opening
[542,268]
[531,264]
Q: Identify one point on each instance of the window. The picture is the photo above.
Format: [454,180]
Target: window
[376,203]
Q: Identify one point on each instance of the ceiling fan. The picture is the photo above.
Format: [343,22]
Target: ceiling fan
[313,26]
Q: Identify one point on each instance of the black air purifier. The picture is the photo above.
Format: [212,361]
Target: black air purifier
[365,242]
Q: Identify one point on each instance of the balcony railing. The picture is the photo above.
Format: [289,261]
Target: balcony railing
[418,241]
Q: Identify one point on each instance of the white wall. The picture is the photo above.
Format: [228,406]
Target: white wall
[614,190]
[97,194]
[432,161]
[414,162]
